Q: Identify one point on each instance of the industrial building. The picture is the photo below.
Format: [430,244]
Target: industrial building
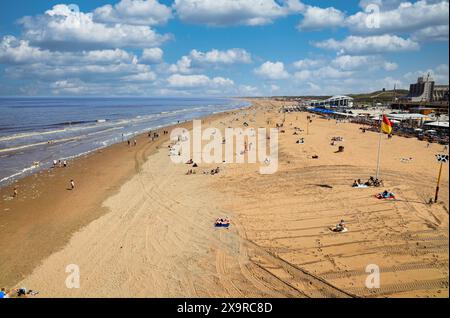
[425,90]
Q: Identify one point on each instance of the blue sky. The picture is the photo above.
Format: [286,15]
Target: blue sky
[219,47]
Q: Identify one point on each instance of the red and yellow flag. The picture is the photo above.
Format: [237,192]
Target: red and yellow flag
[386,125]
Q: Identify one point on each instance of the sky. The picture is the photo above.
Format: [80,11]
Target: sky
[219,47]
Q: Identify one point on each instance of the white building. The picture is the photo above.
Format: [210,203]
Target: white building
[339,101]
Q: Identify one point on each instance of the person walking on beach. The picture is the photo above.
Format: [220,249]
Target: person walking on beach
[129,143]
[72,184]
[15,193]
[135,142]
[65,164]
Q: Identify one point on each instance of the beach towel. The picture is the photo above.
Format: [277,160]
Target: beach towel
[222,225]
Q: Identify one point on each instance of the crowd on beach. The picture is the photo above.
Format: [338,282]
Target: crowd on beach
[17,293]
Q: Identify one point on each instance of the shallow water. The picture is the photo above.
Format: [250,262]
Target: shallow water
[46,129]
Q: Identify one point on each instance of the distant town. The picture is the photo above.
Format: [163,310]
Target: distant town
[421,111]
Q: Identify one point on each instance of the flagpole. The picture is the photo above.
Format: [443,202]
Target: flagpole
[438,182]
[379,147]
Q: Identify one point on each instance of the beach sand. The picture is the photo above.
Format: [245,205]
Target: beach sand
[137,226]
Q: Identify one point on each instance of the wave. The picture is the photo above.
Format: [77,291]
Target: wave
[23,171]
[82,124]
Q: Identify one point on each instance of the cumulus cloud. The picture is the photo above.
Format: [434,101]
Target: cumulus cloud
[407,17]
[236,12]
[440,74]
[248,90]
[355,62]
[147,76]
[200,60]
[432,33]
[307,63]
[303,75]
[197,81]
[89,72]
[231,56]
[272,71]
[136,12]
[315,18]
[369,44]
[183,66]
[64,29]
[152,55]
[15,51]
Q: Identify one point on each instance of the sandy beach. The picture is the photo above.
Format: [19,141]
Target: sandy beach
[138,226]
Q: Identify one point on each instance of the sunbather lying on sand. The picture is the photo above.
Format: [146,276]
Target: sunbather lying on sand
[385,195]
[340,227]
[222,222]
[358,184]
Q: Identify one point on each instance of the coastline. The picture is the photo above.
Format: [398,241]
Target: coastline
[29,234]
[30,169]
[152,234]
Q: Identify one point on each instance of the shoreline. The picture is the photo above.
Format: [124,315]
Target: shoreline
[33,169]
[48,188]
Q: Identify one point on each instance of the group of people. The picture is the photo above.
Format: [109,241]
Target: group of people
[59,163]
[18,292]
[372,182]
[134,143]
[222,222]
[212,172]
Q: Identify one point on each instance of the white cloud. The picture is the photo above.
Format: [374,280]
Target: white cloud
[367,62]
[303,75]
[273,71]
[183,66]
[385,4]
[248,90]
[136,12]
[440,74]
[397,17]
[390,66]
[14,51]
[199,60]
[231,56]
[63,29]
[89,72]
[274,88]
[152,55]
[236,12]
[108,56]
[432,33]
[316,18]
[197,81]
[307,63]
[331,72]
[369,44]
[68,87]
[140,77]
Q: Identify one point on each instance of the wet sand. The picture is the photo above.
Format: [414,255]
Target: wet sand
[137,226]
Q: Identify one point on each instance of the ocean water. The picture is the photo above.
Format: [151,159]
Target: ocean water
[44,129]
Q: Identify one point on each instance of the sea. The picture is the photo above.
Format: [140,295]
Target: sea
[36,131]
